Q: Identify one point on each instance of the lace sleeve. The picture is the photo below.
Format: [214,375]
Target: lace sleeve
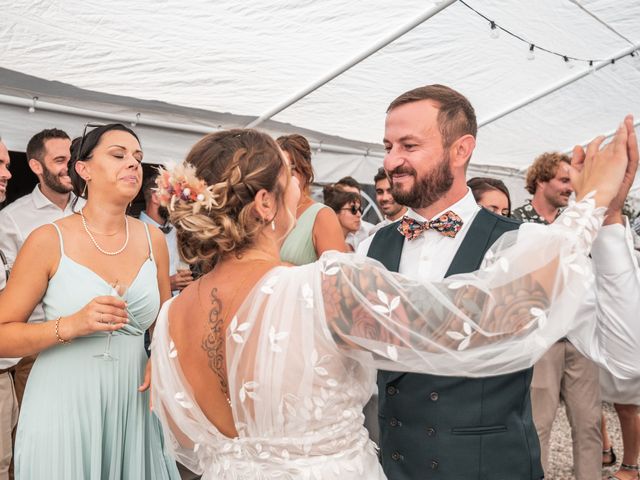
[499,319]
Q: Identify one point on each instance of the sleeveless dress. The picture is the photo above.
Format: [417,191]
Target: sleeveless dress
[298,248]
[82,417]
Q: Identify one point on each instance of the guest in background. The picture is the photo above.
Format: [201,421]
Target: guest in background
[350,184]
[48,157]
[563,373]
[347,206]
[85,412]
[491,194]
[549,182]
[317,228]
[157,215]
[8,401]
[391,209]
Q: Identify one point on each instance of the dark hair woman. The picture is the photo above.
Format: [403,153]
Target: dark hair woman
[101,277]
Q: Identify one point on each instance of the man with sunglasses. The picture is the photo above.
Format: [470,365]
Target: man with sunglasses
[48,154]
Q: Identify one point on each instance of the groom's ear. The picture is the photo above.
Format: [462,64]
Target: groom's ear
[460,151]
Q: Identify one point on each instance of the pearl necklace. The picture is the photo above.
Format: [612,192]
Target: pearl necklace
[100,249]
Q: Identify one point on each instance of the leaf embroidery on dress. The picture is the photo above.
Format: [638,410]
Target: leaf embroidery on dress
[236,329]
[465,337]
[328,269]
[267,287]
[182,400]
[248,389]
[307,295]
[173,353]
[275,337]
[539,315]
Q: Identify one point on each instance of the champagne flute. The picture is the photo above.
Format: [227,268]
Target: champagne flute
[117,290]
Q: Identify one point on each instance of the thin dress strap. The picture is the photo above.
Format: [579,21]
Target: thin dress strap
[60,237]
[146,227]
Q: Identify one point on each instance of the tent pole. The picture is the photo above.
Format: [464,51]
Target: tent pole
[553,88]
[141,121]
[383,42]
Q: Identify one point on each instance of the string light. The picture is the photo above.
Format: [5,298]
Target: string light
[135,122]
[32,108]
[614,66]
[570,61]
[531,55]
[495,31]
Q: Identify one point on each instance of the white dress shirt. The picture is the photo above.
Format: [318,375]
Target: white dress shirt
[614,300]
[17,221]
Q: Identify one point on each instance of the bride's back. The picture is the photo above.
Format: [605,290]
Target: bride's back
[198,322]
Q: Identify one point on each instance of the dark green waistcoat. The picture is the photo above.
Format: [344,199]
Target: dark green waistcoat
[456,428]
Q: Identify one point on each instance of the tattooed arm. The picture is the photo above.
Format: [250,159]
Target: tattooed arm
[497,320]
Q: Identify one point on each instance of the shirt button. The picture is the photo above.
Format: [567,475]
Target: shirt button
[434,396]
[434,465]
[397,456]
[431,431]
[391,390]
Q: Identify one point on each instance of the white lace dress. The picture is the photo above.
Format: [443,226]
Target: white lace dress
[303,349]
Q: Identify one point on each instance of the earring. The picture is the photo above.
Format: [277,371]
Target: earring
[273,225]
[84,190]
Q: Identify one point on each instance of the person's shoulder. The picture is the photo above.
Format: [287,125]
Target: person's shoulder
[17,205]
[42,237]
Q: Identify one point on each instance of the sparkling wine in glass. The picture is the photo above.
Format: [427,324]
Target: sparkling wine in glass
[117,290]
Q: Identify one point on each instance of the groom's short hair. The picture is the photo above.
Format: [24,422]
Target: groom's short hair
[456,116]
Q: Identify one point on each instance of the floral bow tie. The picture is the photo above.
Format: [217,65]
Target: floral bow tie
[448,224]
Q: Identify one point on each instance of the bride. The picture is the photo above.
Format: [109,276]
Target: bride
[261,370]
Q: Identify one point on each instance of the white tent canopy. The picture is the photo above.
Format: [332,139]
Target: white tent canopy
[179,65]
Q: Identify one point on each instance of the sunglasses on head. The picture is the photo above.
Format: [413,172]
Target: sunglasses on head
[84,135]
[353,209]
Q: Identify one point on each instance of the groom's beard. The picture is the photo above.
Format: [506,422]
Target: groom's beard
[426,190]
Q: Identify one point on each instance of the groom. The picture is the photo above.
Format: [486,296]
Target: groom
[455,428]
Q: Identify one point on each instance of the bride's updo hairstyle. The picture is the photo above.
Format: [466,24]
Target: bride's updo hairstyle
[235,165]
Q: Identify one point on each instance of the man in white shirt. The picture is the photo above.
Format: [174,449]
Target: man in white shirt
[391,209]
[8,401]
[474,428]
[48,155]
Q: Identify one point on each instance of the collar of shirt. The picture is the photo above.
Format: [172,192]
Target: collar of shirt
[147,219]
[40,201]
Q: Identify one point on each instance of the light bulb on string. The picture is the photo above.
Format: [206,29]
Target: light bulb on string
[614,65]
[135,122]
[592,66]
[495,31]
[531,55]
[568,62]
[32,108]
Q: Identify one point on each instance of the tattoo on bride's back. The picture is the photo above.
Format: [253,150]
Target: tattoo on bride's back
[213,341]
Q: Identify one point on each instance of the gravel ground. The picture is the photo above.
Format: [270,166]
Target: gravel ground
[561,461]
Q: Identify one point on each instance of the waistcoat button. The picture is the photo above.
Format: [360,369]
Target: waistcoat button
[434,396]
[391,390]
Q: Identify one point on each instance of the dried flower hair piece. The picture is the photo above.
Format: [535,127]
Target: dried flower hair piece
[180,183]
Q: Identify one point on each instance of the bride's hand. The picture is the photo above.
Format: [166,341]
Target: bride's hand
[601,169]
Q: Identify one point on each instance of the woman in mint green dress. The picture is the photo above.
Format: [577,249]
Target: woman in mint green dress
[101,277]
[317,229]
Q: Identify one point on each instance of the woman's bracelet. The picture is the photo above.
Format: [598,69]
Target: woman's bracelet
[60,339]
